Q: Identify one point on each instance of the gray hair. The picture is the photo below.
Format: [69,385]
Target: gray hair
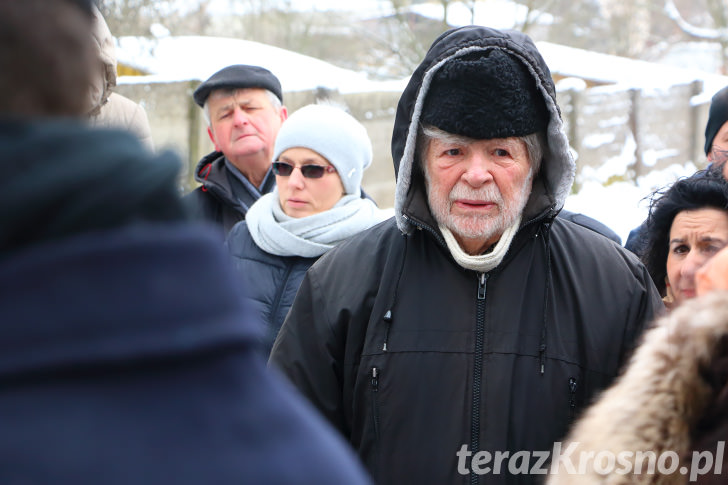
[274,101]
[535,144]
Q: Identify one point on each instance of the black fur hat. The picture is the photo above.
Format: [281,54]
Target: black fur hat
[483,96]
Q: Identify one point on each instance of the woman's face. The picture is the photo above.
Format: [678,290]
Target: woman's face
[301,196]
[695,236]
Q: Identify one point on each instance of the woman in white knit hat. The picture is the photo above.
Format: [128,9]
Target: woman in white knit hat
[320,154]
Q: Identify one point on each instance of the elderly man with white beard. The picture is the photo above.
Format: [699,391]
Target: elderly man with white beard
[456,342]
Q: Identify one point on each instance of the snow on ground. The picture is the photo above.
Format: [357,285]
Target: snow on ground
[623,205]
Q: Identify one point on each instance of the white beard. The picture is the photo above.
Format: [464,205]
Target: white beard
[484,227]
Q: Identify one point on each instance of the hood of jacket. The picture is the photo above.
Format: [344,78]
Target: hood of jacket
[106,72]
[62,178]
[551,184]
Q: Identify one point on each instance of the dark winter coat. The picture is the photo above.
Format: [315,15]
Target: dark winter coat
[671,400]
[414,358]
[272,281]
[590,223]
[214,200]
[126,352]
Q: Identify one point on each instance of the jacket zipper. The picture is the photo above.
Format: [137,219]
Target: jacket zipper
[375,401]
[478,370]
[427,228]
[572,398]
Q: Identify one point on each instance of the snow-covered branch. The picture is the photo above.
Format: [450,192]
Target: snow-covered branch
[698,32]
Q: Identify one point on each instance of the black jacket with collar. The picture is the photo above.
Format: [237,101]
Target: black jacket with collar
[414,358]
[214,199]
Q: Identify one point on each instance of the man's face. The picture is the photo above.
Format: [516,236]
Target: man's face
[243,123]
[477,188]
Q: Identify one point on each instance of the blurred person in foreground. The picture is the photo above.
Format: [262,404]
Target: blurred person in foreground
[320,155]
[243,108]
[476,321]
[113,367]
[687,225]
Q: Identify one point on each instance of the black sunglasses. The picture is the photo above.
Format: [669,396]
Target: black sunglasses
[285,169]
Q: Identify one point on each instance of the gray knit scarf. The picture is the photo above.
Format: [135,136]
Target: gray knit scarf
[277,233]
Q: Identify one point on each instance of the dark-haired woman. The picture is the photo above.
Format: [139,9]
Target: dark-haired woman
[687,225]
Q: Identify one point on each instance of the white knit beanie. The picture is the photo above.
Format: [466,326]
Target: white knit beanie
[333,134]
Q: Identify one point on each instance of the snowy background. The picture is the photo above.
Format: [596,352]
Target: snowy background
[620,205]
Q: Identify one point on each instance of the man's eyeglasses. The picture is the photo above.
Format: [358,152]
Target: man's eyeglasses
[284,169]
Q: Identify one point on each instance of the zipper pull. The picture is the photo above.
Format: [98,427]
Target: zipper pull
[572,396]
[375,404]
[482,278]
[388,322]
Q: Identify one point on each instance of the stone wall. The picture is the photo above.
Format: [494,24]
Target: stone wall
[604,124]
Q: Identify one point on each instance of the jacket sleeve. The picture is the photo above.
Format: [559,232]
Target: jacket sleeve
[139,124]
[310,352]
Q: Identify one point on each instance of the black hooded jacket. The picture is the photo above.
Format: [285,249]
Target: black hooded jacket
[415,359]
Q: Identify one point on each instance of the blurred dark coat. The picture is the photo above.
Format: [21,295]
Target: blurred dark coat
[126,352]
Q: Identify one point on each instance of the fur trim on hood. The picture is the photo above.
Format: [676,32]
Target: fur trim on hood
[656,405]
[553,182]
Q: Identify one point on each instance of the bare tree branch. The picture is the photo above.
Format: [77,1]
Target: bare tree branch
[693,31]
[717,10]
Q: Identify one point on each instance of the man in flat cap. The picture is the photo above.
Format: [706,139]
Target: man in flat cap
[243,109]
[456,342]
